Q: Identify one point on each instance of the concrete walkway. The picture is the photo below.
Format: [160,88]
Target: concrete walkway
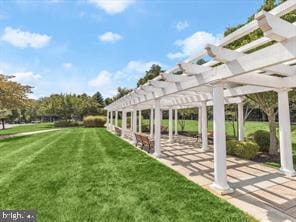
[26,133]
[260,191]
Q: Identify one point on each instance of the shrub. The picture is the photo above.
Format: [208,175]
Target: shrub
[94,121]
[128,122]
[262,138]
[246,149]
[145,128]
[66,123]
[231,146]
[249,150]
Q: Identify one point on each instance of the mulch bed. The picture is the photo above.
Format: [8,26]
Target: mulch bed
[266,157]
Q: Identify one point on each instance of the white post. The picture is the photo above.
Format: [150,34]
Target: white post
[116,118]
[285,134]
[176,122]
[151,122]
[204,130]
[134,126]
[170,125]
[107,120]
[123,124]
[111,120]
[131,119]
[140,121]
[157,147]
[199,120]
[220,175]
[240,119]
[161,116]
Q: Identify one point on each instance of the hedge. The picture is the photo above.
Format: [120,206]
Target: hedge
[94,121]
[66,123]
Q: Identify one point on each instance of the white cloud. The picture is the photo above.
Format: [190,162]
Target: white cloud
[67,65]
[194,44]
[26,77]
[112,6]
[182,25]
[110,37]
[175,55]
[24,39]
[102,79]
[107,82]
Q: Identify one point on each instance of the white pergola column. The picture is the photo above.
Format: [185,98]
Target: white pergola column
[140,121]
[240,119]
[157,122]
[161,117]
[220,182]
[131,123]
[123,124]
[111,120]
[151,122]
[176,122]
[170,125]
[204,130]
[285,134]
[199,120]
[116,118]
[134,126]
[107,120]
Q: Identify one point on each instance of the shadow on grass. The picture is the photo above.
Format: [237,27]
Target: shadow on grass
[12,139]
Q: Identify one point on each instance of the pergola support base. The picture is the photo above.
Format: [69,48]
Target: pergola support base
[221,190]
[289,173]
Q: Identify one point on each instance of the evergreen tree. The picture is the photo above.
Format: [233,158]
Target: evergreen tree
[99,98]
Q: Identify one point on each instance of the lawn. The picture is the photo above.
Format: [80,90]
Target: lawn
[26,128]
[84,174]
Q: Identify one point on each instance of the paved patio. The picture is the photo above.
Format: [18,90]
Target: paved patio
[261,191]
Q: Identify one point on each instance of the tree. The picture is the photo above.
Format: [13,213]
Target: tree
[267,101]
[183,115]
[108,101]
[231,113]
[4,114]
[12,95]
[154,71]
[201,61]
[99,98]
[121,92]
[68,106]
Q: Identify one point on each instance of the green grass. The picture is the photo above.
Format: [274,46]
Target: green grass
[91,175]
[26,128]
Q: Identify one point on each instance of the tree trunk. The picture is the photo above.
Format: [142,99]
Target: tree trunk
[3,124]
[273,149]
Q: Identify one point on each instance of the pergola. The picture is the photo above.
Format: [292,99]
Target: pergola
[226,78]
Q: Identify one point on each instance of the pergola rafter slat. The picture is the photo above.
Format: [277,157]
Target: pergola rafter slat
[240,73]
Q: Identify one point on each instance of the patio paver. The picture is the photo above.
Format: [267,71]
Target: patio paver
[261,191]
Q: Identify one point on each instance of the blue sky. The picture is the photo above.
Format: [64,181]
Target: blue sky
[97,45]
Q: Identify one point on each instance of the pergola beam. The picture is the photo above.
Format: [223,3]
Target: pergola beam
[259,80]
[274,27]
[193,69]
